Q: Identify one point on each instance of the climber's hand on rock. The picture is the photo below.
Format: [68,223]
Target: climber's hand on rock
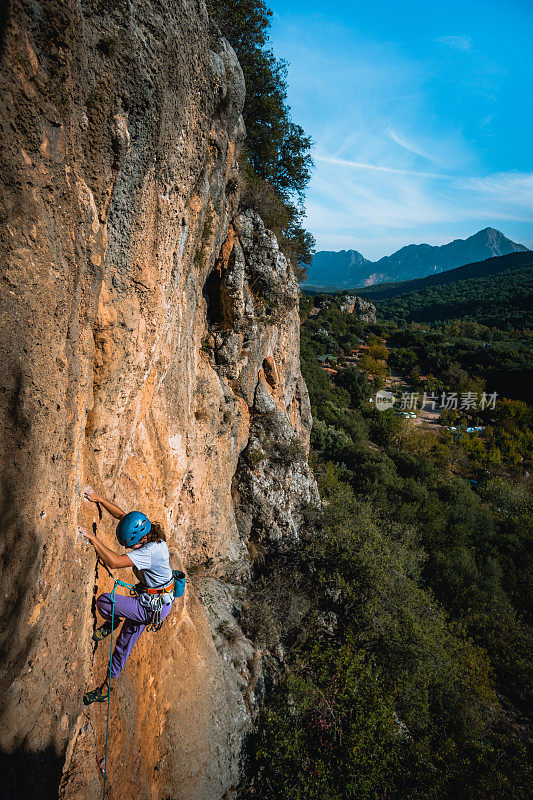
[90,494]
[84,532]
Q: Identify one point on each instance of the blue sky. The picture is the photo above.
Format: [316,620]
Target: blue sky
[421,114]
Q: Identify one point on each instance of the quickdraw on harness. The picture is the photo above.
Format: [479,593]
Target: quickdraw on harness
[176,587]
[155,600]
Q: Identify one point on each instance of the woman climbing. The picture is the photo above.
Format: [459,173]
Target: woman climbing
[149,558]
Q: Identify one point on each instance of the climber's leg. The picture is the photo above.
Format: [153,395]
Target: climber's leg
[129,634]
[125,607]
[126,639]
[136,618]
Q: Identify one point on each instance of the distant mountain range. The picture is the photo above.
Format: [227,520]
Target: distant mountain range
[497,292]
[348,269]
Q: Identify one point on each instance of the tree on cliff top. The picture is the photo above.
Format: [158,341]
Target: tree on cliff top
[277,150]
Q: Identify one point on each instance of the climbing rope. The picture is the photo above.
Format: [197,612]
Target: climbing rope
[113,601]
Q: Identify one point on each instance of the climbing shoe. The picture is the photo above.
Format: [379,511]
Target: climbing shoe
[104,630]
[95,696]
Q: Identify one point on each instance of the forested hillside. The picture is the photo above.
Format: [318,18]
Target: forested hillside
[478,269]
[406,615]
[504,301]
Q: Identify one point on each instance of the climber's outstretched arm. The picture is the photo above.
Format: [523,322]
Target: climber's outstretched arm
[115,511]
[109,557]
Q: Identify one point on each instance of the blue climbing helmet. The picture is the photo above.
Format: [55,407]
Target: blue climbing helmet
[132,527]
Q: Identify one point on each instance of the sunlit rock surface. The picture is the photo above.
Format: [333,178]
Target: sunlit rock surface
[150,348]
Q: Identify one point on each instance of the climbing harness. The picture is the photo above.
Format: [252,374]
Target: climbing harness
[153,600]
[169,587]
[176,587]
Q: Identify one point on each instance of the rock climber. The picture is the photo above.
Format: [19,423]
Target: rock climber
[149,558]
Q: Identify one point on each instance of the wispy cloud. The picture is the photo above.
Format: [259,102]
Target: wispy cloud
[405,139]
[373,208]
[410,146]
[463,43]
[486,121]
[509,189]
[341,162]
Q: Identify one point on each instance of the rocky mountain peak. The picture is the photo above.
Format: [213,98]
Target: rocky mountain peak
[341,270]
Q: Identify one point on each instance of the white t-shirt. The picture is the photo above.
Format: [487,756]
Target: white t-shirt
[152,560]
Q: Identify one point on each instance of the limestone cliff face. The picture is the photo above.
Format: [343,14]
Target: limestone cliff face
[364,309]
[150,348]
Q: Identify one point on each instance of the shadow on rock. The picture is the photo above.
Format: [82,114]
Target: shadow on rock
[28,775]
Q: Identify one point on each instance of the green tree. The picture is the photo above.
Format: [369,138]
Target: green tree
[276,148]
[356,383]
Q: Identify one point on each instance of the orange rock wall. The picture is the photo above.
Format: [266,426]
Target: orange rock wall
[150,333]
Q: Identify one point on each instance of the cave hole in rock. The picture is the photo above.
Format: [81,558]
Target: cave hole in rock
[219,312]
[212,292]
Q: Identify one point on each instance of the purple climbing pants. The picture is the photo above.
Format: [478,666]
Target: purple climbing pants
[136,617]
